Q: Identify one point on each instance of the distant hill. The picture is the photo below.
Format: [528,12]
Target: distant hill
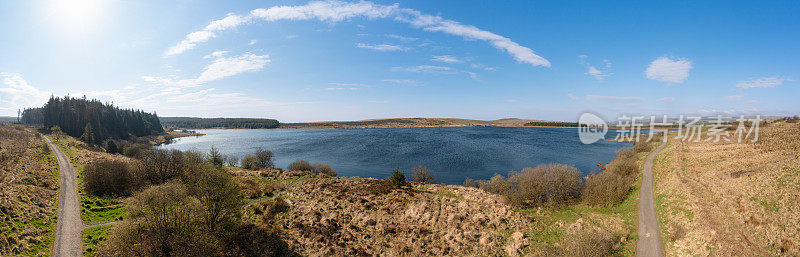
[410,122]
[8,119]
[206,123]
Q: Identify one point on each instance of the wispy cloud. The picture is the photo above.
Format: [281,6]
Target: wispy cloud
[383,47]
[252,42]
[216,54]
[614,99]
[598,74]
[572,96]
[426,69]
[402,38]
[16,94]
[229,66]
[409,82]
[667,99]
[764,82]
[345,86]
[337,11]
[734,97]
[667,69]
[445,58]
[511,100]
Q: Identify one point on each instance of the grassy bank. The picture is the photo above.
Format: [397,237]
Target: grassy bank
[29,183]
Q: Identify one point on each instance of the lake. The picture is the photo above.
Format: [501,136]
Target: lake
[452,153]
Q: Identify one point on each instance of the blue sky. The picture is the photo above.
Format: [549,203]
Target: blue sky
[332,60]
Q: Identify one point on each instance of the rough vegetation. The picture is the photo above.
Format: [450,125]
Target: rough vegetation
[28,193]
[731,198]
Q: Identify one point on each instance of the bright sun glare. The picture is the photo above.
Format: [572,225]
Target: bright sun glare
[77,14]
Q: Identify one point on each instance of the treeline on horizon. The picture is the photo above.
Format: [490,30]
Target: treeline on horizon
[205,123]
[92,120]
[551,124]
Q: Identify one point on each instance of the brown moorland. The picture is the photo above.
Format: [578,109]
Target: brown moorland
[728,198]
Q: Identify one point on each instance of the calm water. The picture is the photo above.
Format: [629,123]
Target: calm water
[453,154]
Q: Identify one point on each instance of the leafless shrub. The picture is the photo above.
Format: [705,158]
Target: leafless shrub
[423,174]
[623,166]
[642,146]
[324,169]
[300,165]
[162,224]
[605,189]
[544,184]
[111,178]
[588,242]
[261,159]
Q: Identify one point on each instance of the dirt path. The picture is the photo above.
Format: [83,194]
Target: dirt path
[69,225]
[649,243]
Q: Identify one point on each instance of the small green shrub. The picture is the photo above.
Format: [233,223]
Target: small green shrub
[214,157]
[398,179]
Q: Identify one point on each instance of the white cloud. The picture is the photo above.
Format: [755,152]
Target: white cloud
[383,47]
[425,69]
[229,22]
[229,66]
[336,11]
[340,88]
[666,69]
[598,74]
[765,82]
[403,81]
[481,66]
[511,100]
[252,42]
[216,54]
[16,94]
[614,99]
[445,58]
[572,96]
[667,99]
[291,36]
[734,97]
[472,75]
[402,38]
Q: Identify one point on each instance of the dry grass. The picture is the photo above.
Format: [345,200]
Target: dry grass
[28,193]
[734,199]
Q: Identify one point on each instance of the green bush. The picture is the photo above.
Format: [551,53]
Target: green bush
[398,179]
[214,157]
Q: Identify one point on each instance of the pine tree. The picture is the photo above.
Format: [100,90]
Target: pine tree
[88,134]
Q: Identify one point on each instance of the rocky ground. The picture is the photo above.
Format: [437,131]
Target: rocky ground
[727,198]
[346,216]
[28,193]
